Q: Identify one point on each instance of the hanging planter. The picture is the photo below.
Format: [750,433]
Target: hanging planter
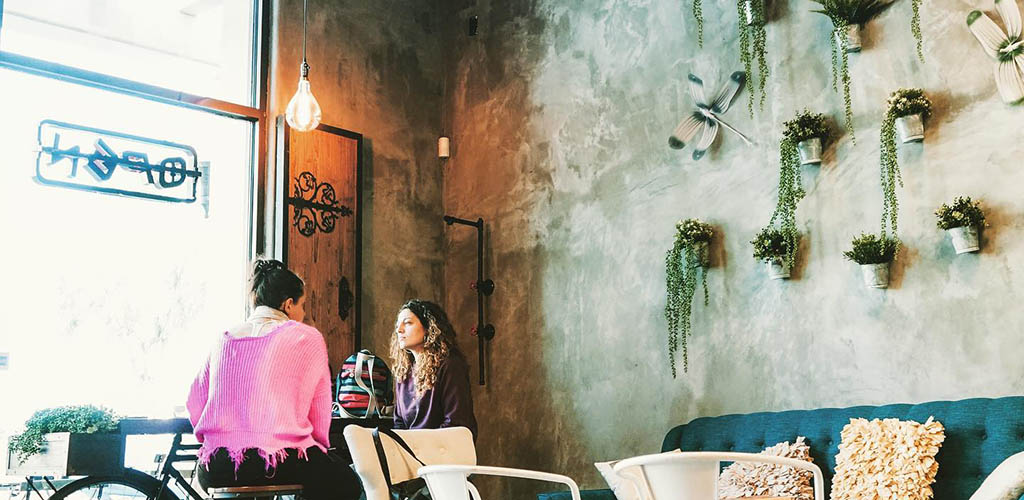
[911,128]
[965,239]
[902,103]
[962,221]
[905,112]
[688,256]
[776,249]
[875,275]
[778,269]
[874,254]
[776,244]
[852,39]
[810,151]
[807,130]
[753,40]
[847,17]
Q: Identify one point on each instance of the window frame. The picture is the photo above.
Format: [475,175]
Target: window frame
[260,94]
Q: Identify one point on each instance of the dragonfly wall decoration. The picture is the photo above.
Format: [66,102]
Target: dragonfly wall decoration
[704,122]
[1005,47]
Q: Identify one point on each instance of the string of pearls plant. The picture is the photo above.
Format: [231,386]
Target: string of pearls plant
[687,257]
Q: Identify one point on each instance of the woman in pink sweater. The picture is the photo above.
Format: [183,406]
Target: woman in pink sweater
[261,406]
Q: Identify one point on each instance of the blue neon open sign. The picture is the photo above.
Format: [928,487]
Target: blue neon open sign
[91,159]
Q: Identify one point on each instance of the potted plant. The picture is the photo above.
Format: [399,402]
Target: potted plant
[753,38]
[781,235]
[904,107]
[874,254]
[907,109]
[688,256]
[78,438]
[774,248]
[962,221]
[847,16]
[808,132]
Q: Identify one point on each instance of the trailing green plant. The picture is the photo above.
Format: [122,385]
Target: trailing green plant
[902,102]
[771,244]
[78,419]
[684,260]
[753,39]
[915,27]
[963,213]
[844,13]
[805,125]
[698,14]
[872,249]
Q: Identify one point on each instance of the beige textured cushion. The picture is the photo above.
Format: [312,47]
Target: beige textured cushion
[622,488]
[1004,483]
[747,479]
[887,459]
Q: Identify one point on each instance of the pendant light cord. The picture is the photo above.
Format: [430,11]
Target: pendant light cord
[305,67]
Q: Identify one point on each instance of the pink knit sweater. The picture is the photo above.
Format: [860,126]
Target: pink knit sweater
[267,393]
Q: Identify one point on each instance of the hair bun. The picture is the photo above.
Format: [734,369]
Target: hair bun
[263,266]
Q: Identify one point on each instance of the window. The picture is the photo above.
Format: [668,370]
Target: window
[115,300]
[202,47]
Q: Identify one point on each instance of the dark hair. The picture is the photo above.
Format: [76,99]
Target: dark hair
[438,345]
[428,312]
[271,283]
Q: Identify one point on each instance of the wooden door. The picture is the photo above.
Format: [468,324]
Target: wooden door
[318,227]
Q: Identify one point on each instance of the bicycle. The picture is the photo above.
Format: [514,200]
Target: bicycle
[133,484]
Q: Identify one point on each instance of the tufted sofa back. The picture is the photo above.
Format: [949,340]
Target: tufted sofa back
[980,434]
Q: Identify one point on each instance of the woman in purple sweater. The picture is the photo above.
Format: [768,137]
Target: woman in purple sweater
[261,406]
[432,387]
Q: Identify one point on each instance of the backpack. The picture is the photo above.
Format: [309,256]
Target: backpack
[364,386]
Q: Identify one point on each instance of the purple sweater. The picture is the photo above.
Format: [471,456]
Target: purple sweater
[448,404]
[267,393]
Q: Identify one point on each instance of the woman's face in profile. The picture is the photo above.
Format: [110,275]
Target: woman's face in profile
[409,331]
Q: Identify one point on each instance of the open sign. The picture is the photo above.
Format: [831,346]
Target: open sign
[90,159]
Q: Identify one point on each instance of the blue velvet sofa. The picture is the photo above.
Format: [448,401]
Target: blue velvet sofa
[980,434]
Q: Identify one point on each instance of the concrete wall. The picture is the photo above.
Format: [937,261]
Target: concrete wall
[374,71]
[560,116]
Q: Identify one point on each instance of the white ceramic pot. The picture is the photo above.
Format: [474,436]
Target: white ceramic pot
[911,128]
[876,275]
[965,239]
[778,269]
[852,35]
[810,151]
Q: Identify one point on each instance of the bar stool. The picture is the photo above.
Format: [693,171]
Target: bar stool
[255,492]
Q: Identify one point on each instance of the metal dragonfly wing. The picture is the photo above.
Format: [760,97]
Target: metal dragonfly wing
[704,122]
[1007,48]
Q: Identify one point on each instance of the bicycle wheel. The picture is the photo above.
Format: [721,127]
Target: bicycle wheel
[132,485]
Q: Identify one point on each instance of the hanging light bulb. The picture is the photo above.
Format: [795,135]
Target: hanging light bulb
[303,112]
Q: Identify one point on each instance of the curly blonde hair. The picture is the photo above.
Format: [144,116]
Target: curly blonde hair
[438,345]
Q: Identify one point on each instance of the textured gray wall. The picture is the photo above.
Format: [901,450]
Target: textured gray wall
[374,71]
[560,116]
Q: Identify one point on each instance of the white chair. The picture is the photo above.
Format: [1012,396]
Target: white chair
[693,475]
[448,482]
[434,446]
